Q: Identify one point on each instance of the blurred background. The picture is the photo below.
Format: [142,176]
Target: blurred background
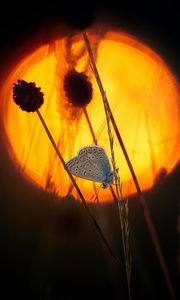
[49,247]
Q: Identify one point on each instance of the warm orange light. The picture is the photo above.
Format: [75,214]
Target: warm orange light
[143,96]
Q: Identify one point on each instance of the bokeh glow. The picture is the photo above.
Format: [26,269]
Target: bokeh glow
[143,95]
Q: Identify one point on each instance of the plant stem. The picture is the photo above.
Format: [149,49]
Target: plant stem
[117,199]
[78,190]
[142,202]
[90,125]
[96,143]
[122,208]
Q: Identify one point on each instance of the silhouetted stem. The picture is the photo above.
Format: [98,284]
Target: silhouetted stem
[77,188]
[96,143]
[90,126]
[118,198]
[143,205]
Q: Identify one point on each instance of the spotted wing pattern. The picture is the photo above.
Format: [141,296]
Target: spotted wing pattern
[91,163]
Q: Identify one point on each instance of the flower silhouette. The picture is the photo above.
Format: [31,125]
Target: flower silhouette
[78,88]
[27,95]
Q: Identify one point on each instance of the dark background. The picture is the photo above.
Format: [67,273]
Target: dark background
[155,22]
[49,249]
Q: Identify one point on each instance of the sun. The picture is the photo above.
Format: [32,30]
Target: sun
[143,95]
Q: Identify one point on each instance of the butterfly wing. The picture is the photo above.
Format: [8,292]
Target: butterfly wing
[88,164]
[96,155]
[104,165]
[91,152]
[73,165]
[86,170]
[96,161]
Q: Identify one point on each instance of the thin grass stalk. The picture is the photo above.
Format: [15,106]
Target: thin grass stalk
[117,199]
[147,217]
[90,125]
[103,238]
[95,141]
[119,203]
[122,217]
[126,232]
[123,210]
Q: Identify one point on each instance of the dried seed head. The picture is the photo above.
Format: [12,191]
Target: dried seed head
[27,96]
[78,88]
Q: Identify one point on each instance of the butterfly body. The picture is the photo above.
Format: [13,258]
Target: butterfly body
[92,163]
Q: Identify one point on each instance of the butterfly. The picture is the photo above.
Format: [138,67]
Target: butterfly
[93,164]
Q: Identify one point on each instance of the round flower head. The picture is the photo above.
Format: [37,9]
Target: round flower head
[78,88]
[27,95]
